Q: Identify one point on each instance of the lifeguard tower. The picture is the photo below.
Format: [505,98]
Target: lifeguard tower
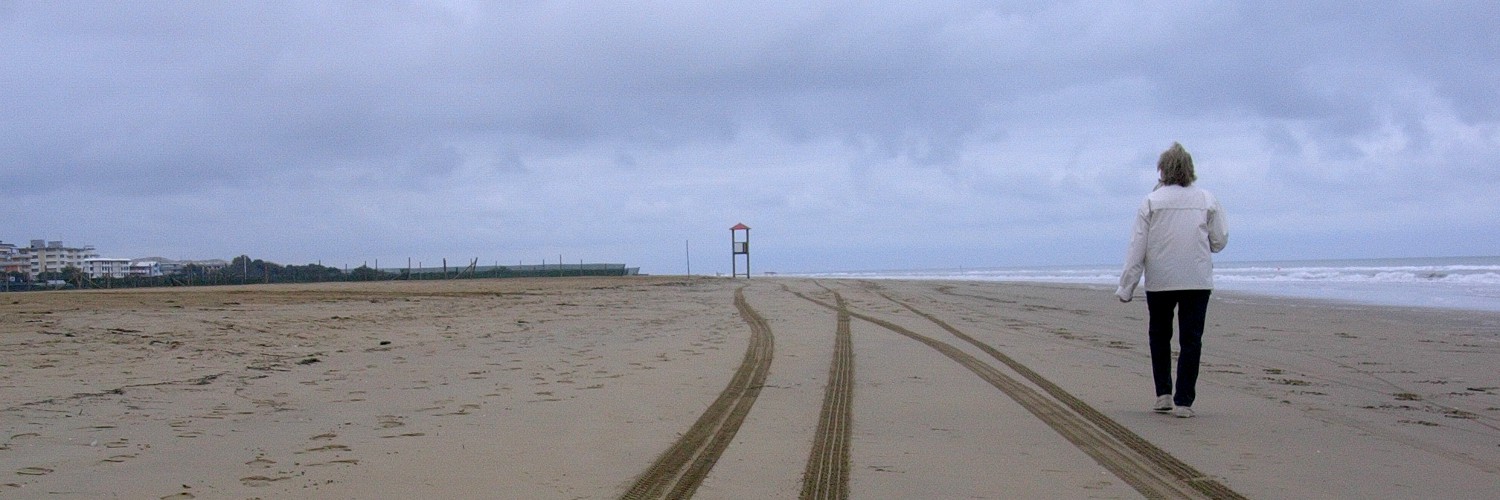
[739,247]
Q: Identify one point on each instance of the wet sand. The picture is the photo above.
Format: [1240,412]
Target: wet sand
[647,387]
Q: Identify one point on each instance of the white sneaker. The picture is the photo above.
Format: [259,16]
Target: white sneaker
[1183,412]
[1163,403]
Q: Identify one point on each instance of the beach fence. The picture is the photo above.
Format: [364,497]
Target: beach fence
[517,271]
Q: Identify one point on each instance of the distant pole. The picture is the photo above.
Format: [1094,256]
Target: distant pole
[687,248]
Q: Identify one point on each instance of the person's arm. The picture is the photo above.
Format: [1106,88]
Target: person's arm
[1218,228]
[1135,256]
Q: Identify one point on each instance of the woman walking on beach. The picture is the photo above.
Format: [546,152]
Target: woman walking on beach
[1177,229]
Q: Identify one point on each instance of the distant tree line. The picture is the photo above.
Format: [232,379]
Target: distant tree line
[243,270]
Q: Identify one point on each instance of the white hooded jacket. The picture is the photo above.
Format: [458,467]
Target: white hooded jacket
[1176,230]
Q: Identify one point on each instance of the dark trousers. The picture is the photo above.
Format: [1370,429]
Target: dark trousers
[1191,308]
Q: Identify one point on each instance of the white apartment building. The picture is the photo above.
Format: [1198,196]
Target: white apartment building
[43,256]
[52,257]
[106,267]
[97,268]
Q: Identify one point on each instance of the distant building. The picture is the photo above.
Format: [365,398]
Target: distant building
[52,257]
[170,267]
[145,268]
[106,267]
[43,256]
[163,266]
[97,268]
[10,259]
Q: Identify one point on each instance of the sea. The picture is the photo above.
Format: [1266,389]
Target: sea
[1471,283]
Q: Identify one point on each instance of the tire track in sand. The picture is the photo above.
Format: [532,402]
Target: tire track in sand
[679,471]
[1179,469]
[1138,471]
[827,473]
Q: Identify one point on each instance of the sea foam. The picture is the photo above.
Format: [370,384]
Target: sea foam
[1448,282]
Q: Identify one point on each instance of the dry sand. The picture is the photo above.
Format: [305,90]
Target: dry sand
[579,387]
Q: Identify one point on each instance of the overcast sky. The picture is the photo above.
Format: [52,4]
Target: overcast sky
[848,135]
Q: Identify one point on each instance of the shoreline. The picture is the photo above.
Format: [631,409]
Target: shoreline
[572,387]
[1475,305]
[1466,283]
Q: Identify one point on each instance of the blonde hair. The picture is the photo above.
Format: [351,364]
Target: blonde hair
[1176,167]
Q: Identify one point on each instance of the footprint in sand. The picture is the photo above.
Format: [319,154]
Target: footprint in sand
[179,496]
[331,447]
[34,471]
[258,481]
[463,409]
[117,459]
[389,421]
[343,461]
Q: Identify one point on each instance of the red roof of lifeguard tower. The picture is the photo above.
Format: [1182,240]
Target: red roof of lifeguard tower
[740,227]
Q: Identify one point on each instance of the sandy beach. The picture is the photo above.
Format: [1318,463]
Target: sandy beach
[651,387]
